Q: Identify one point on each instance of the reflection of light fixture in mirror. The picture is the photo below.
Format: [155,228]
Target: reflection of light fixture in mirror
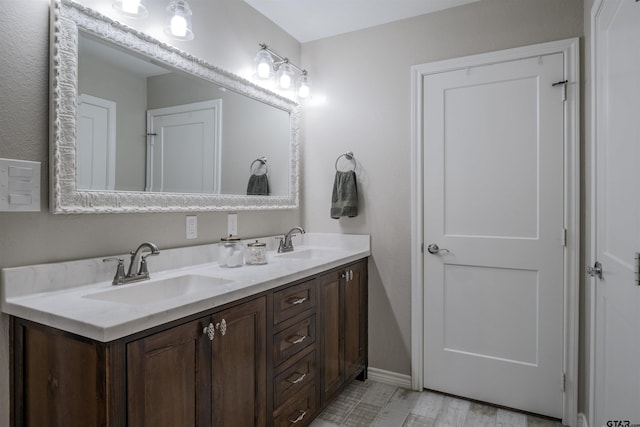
[284,71]
[178,21]
[131,8]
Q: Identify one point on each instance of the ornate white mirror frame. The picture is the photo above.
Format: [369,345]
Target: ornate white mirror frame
[67,18]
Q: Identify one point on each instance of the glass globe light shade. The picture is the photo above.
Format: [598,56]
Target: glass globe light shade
[178,21]
[264,65]
[303,86]
[284,76]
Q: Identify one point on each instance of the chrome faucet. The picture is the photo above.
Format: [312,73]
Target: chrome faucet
[136,259]
[286,245]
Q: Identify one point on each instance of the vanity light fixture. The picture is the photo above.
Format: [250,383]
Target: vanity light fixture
[284,75]
[303,85]
[178,21]
[131,8]
[264,64]
[266,67]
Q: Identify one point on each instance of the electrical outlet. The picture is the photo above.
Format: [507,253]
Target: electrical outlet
[232,224]
[192,227]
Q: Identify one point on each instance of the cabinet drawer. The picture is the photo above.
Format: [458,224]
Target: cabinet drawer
[291,340]
[298,412]
[293,300]
[294,378]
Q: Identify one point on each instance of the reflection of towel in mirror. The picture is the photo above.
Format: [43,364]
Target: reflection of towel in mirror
[258,185]
[344,201]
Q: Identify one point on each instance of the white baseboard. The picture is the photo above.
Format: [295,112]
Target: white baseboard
[388,377]
[582,420]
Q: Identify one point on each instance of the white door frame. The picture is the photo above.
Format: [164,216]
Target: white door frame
[569,48]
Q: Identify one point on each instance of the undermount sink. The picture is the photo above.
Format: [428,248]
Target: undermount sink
[311,253]
[159,290]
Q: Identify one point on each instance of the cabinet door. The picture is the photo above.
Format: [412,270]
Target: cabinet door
[355,318]
[332,334]
[164,374]
[343,308]
[238,366]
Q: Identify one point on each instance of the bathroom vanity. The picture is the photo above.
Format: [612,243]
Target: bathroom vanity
[275,345]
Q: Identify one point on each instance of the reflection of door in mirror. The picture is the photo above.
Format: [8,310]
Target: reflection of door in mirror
[96,147]
[183,155]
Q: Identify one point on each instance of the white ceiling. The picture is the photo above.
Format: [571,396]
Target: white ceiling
[308,20]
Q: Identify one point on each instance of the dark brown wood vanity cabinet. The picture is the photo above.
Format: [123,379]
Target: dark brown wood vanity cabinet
[295,354]
[343,302]
[275,359]
[211,371]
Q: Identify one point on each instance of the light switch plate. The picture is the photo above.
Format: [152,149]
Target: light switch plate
[192,227]
[19,186]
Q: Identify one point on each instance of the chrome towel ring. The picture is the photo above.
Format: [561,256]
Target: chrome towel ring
[263,162]
[349,156]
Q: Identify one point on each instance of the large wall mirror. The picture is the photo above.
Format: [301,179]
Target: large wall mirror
[140,126]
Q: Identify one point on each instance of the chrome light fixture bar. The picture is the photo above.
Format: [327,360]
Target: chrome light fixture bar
[266,67]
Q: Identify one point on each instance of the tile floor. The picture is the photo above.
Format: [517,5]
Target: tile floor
[369,403]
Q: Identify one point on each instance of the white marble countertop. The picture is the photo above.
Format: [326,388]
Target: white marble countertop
[63,295]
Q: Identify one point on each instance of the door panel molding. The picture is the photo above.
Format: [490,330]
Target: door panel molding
[570,49]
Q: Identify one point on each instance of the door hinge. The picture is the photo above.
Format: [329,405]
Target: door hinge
[562,83]
[563,382]
[563,237]
[422,247]
[637,267]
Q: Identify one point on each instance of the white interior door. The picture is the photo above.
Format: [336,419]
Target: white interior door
[96,144]
[183,155]
[617,317]
[493,203]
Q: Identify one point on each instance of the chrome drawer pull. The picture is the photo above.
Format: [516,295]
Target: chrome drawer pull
[297,300]
[300,417]
[298,379]
[209,331]
[296,339]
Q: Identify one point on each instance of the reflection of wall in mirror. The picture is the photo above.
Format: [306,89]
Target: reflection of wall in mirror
[250,129]
[105,80]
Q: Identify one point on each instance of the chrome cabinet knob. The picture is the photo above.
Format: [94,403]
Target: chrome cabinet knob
[222,327]
[210,331]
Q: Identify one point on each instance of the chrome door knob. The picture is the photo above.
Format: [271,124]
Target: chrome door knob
[434,249]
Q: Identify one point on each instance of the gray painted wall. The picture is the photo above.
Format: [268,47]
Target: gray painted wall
[364,78]
[227,34]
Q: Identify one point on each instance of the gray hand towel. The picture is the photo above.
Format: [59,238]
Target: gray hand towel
[344,201]
[258,185]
